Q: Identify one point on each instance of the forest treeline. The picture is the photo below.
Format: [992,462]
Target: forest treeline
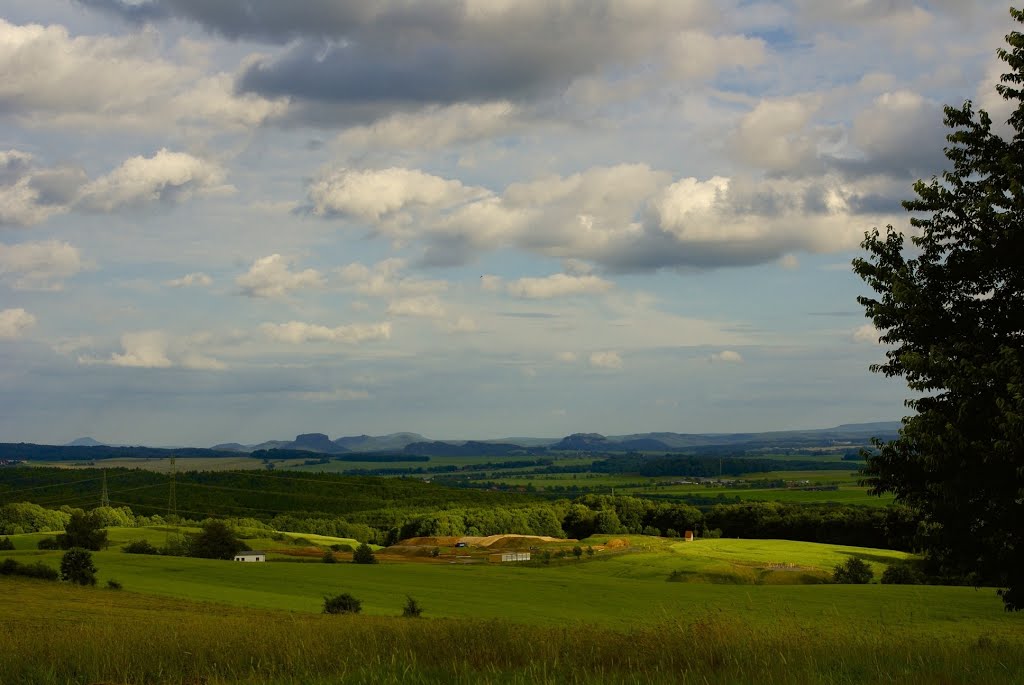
[386,510]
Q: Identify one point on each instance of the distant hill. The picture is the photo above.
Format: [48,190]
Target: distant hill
[381,443]
[470,448]
[848,434]
[85,442]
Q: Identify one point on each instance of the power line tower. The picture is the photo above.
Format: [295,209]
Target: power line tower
[172,497]
[104,496]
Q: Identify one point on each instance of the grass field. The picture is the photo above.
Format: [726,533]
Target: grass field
[746,611]
[762,575]
[54,634]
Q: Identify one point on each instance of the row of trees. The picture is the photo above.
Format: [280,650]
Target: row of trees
[895,526]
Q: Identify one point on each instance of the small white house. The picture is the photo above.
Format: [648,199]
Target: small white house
[251,556]
[510,556]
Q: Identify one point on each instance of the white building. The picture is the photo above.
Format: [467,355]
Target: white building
[251,556]
[510,556]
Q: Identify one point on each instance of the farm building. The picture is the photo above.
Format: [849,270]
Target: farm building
[688,536]
[251,556]
[509,556]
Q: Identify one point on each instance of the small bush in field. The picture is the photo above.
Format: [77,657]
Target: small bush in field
[342,604]
[114,585]
[6,544]
[853,571]
[140,547]
[412,608]
[48,543]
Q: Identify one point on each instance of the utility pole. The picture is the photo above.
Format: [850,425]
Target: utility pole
[172,497]
[104,496]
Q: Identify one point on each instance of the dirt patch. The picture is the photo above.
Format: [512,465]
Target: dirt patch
[788,567]
[509,541]
[616,543]
[300,551]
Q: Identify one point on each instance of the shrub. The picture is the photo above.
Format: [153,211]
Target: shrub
[342,604]
[342,547]
[713,534]
[48,543]
[853,571]
[363,555]
[652,531]
[140,547]
[11,567]
[671,533]
[412,608]
[83,530]
[6,544]
[114,585]
[328,557]
[217,540]
[577,551]
[590,551]
[76,567]
[902,573]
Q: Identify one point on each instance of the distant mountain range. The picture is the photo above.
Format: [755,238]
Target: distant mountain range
[414,443]
[853,434]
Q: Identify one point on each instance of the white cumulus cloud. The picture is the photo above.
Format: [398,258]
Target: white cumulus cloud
[557,285]
[727,357]
[15,322]
[197,278]
[271,276]
[166,176]
[39,265]
[427,306]
[296,332]
[606,360]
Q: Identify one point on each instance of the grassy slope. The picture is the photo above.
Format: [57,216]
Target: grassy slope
[54,633]
[612,590]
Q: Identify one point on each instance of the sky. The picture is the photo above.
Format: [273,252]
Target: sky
[240,220]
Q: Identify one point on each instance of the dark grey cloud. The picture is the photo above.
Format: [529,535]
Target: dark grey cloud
[280,21]
[428,73]
[440,51]
[59,186]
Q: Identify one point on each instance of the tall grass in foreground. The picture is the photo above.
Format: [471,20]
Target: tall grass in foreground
[53,634]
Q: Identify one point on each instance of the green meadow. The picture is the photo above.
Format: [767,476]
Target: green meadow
[611,619]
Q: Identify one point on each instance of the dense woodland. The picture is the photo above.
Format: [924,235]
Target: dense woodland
[386,510]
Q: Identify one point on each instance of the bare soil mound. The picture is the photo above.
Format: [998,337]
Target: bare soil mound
[616,543]
[516,541]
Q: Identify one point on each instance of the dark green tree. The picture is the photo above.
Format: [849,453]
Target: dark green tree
[577,551]
[76,567]
[853,571]
[363,555]
[950,306]
[342,604]
[6,544]
[217,540]
[85,529]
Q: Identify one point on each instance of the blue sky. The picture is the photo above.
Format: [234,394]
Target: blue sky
[226,220]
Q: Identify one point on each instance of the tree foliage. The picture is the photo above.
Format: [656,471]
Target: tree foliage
[950,306]
[342,604]
[363,555]
[217,540]
[76,567]
[853,571]
[85,530]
